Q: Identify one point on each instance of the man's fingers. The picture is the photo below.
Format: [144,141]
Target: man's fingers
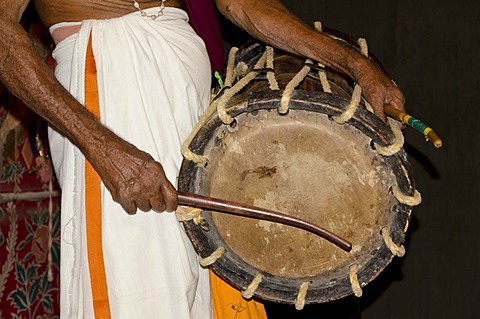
[143,204]
[157,203]
[145,187]
[398,104]
[381,115]
[377,105]
[129,207]
[170,197]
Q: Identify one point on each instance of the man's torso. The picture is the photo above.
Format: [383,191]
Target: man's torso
[55,11]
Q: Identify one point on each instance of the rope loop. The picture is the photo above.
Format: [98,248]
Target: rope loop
[322,74]
[210,260]
[363,46]
[356,288]
[186,213]
[200,160]
[237,87]
[352,107]
[414,200]
[230,70]
[302,293]
[250,291]
[271,74]
[219,105]
[397,145]
[396,250]
[294,82]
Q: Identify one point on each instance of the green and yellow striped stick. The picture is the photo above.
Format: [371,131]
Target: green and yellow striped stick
[409,120]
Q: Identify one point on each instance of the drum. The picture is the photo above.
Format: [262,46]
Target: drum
[265,144]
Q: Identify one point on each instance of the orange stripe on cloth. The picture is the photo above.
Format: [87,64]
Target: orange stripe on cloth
[93,203]
[229,303]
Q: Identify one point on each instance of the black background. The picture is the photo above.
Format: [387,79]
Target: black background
[431,50]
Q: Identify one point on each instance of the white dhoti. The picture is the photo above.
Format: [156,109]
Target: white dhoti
[154,80]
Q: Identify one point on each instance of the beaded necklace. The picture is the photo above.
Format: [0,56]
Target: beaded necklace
[151,16]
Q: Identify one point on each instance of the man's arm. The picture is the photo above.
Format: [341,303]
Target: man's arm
[270,22]
[133,177]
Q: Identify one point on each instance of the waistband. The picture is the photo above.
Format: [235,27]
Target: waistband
[62,30]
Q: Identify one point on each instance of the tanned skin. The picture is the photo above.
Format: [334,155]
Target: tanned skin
[132,176]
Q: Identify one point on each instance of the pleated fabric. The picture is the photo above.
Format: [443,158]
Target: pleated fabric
[153,82]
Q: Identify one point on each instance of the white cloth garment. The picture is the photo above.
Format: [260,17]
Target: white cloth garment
[154,80]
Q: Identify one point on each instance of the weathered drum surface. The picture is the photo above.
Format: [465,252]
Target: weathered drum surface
[310,167]
[306,165]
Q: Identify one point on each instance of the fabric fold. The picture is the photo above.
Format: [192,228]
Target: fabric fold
[154,81]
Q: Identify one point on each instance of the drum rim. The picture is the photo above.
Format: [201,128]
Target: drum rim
[286,289]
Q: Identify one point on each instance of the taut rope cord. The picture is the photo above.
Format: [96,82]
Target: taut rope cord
[322,74]
[287,93]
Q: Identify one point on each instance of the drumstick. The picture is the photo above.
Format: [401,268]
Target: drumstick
[239,209]
[415,123]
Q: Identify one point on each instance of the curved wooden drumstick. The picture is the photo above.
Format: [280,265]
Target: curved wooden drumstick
[225,206]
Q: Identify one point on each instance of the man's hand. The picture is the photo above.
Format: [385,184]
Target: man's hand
[135,179]
[377,88]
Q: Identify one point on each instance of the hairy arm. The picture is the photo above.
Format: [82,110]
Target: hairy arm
[269,21]
[133,177]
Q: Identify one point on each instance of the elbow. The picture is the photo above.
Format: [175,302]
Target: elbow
[234,11]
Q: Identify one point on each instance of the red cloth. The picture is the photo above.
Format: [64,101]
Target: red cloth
[204,21]
[25,291]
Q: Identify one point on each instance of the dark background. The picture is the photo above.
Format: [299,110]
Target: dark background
[431,49]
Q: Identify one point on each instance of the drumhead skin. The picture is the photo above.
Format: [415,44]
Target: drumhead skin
[303,164]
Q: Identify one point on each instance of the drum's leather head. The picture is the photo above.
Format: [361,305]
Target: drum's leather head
[302,164]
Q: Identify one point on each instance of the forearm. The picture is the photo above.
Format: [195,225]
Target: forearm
[32,81]
[270,22]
